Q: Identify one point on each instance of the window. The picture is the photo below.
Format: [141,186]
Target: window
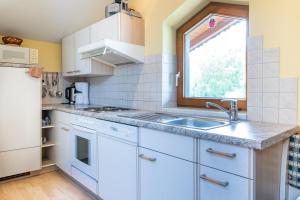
[211,55]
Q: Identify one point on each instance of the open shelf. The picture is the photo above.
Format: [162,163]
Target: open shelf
[45,127]
[47,163]
[48,144]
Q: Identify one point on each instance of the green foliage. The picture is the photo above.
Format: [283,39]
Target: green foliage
[222,75]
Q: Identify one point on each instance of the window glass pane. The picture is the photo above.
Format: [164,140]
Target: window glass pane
[215,58]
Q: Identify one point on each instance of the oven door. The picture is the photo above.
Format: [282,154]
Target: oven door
[84,151]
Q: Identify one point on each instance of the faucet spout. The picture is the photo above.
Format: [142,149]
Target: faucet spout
[232,112]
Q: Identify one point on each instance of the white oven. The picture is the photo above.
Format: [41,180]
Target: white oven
[18,55]
[84,150]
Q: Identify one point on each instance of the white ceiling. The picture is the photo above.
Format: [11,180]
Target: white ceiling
[48,20]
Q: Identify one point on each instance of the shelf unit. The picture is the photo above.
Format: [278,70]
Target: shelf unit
[48,147]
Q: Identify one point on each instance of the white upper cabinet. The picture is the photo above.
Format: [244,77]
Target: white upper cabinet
[68,55]
[120,27]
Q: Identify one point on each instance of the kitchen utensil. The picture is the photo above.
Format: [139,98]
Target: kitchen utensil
[12,40]
[58,92]
[54,81]
[44,87]
[52,93]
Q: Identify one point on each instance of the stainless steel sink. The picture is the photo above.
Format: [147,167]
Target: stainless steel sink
[201,123]
[183,121]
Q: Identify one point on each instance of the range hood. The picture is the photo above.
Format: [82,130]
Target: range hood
[113,53]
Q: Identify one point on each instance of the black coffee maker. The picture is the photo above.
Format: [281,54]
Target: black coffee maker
[70,94]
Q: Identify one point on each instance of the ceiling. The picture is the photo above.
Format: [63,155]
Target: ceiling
[48,20]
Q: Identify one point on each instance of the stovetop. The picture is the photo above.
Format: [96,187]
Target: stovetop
[106,109]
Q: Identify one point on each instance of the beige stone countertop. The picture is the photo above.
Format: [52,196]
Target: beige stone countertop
[256,135]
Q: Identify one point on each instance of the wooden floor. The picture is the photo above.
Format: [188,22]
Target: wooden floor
[53,185]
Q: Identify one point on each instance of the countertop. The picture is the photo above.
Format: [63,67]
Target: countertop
[256,135]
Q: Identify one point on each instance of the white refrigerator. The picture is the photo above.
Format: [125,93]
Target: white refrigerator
[20,121]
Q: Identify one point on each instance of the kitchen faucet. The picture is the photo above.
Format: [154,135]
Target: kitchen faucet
[232,111]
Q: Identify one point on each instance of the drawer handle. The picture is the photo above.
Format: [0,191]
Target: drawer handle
[219,153]
[147,158]
[213,181]
[113,128]
[65,129]
[70,72]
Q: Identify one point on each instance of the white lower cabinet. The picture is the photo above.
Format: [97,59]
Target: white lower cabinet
[164,177]
[63,148]
[117,169]
[216,185]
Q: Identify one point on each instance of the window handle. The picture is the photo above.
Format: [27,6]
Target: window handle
[177,76]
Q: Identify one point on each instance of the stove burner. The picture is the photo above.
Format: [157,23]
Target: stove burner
[105,109]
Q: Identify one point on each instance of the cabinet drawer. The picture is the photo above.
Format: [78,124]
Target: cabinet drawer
[121,131]
[85,180]
[215,185]
[63,117]
[229,158]
[171,144]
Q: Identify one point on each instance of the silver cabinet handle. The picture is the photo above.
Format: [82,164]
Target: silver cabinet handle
[213,181]
[77,71]
[70,72]
[147,158]
[113,128]
[220,153]
[65,129]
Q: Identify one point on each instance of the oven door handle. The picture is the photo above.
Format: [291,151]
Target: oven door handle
[82,129]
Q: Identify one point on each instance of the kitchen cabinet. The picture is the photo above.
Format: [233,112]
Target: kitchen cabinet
[63,147]
[117,169]
[165,177]
[68,55]
[120,27]
[215,184]
[73,65]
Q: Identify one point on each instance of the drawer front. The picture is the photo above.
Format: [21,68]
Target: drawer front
[85,180]
[63,117]
[121,131]
[216,185]
[20,161]
[171,144]
[229,158]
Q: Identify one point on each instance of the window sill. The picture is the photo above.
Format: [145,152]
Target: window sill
[202,112]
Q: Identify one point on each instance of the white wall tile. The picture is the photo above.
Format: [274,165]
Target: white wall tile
[270,100]
[271,55]
[271,85]
[288,85]
[254,99]
[270,115]
[254,85]
[288,116]
[254,71]
[254,113]
[288,100]
[255,43]
[271,70]
[254,57]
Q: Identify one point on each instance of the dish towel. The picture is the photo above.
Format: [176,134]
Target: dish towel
[35,72]
[294,161]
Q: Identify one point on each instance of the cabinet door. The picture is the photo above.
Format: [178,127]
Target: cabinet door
[215,184]
[164,177]
[117,169]
[68,55]
[82,38]
[62,148]
[108,28]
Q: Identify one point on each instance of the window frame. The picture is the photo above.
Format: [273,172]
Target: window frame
[233,10]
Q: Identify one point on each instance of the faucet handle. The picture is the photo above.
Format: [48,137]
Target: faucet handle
[232,102]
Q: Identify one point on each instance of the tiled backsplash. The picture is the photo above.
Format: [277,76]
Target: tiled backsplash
[143,86]
[270,98]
